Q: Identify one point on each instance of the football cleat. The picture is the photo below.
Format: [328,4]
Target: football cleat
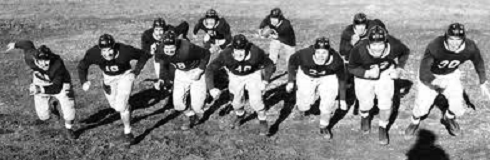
[264,128]
[411,129]
[327,134]
[451,125]
[237,121]
[70,134]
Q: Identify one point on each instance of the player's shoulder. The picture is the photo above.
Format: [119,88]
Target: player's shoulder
[395,42]
[305,51]
[471,45]
[93,50]
[147,33]
[436,44]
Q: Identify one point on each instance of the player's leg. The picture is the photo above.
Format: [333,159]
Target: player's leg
[384,89]
[124,88]
[41,104]
[67,103]
[236,87]
[253,83]
[365,94]
[274,48]
[180,93]
[198,95]
[328,90]
[305,93]
[423,101]
[287,52]
[454,94]
[157,68]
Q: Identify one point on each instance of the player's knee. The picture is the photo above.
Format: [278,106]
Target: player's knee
[179,106]
[304,107]
[385,105]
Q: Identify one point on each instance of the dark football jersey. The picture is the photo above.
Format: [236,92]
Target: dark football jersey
[255,60]
[303,59]
[119,65]
[438,60]
[284,30]
[361,60]
[188,56]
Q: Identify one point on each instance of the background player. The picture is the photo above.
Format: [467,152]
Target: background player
[51,79]
[439,74]
[190,62]
[114,61]
[373,64]
[153,37]
[217,31]
[279,29]
[322,73]
[243,63]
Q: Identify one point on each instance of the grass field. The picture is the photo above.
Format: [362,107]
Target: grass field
[70,27]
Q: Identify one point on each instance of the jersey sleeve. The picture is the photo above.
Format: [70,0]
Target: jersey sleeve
[29,50]
[204,58]
[269,67]
[24,45]
[404,53]
[293,66]
[340,72]
[479,64]
[211,70]
[137,54]
[225,29]
[425,74]
[58,75]
[355,63]
[264,22]
[198,26]
[146,42]
[84,64]
[182,29]
[345,45]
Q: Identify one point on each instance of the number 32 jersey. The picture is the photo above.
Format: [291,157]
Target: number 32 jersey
[440,61]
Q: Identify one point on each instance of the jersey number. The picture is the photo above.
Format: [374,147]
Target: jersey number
[243,68]
[111,68]
[449,64]
[315,72]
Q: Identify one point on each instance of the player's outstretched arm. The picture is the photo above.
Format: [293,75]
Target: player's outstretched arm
[211,70]
[355,64]
[83,66]
[137,54]
[425,74]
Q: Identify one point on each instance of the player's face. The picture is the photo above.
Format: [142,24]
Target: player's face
[321,54]
[209,23]
[169,49]
[239,54]
[454,42]
[274,21]
[377,49]
[108,53]
[43,64]
[360,28]
[158,33]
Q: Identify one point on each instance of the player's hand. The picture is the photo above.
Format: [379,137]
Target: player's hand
[484,89]
[158,84]
[86,86]
[34,89]
[354,39]
[215,92]
[207,37]
[373,72]
[396,73]
[153,48]
[10,46]
[214,48]
[197,74]
[274,34]
[195,37]
[289,87]
[343,105]
[263,85]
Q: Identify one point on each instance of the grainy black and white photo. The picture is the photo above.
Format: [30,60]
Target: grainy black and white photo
[244,80]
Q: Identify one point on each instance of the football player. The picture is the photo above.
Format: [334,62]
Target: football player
[153,37]
[51,79]
[217,31]
[189,61]
[375,63]
[439,74]
[113,59]
[279,29]
[322,73]
[243,62]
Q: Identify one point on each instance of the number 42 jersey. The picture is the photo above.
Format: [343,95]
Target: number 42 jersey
[440,61]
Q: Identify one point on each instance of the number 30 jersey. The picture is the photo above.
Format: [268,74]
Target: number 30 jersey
[124,54]
[255,59]
[440,61]
[188,56]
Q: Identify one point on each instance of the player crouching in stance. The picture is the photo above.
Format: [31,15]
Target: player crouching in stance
[189,61]
[243,62]
[439,74]
[373,65]
[50,79]
[322,73]
[114,61]
[217,31]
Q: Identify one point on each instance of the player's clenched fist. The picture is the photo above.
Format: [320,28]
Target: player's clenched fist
[214,93]
[484,89]
[396,73]
[86,86]
[34,89]
[289,87]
